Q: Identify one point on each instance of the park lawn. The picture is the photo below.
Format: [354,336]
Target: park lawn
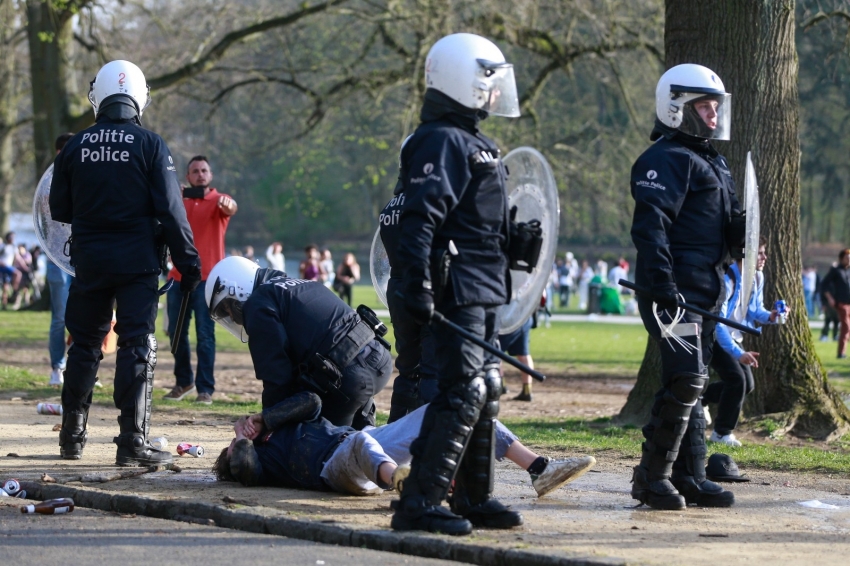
[596,349]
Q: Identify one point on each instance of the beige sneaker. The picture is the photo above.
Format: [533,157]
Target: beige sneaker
[204,398]
[178,393]
[560,472]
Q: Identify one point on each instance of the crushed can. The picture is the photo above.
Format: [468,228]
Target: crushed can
[11,487]
[781,311]
[160,442]
[184,448]
[49,409]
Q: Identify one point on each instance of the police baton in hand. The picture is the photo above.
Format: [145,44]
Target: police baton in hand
[696,310]
[184,306]
[438,318]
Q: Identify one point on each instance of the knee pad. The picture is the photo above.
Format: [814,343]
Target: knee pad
[468,398]
[493,381]
[685,388]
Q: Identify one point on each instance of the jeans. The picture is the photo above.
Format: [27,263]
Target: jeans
[205,329]
[59,283]
[353,468]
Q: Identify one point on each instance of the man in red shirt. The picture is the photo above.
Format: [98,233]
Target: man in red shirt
[209,213]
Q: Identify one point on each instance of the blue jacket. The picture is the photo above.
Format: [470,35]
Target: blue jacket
[729,339]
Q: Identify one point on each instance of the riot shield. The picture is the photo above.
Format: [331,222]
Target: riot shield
[751,240]
[532,189]
[379,266]
[52,235]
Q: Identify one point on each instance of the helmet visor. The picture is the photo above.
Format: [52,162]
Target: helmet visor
[228,311]
[502,99]
[707,115]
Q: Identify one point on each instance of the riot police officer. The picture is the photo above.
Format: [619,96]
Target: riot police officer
[456,213]
[116,185]
[686,219]
[416,383]
[301,337]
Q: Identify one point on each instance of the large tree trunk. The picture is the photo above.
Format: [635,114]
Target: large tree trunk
[638,406]
[750,44]
[50,33]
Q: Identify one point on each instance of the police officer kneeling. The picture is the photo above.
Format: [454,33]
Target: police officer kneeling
[301,337]
[116,185]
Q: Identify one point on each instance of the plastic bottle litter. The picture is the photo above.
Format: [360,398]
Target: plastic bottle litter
[49,409]
[50,507]
[185,448]
[160,442]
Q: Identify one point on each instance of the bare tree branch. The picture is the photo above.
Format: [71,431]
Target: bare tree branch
[823,16]
[217,51]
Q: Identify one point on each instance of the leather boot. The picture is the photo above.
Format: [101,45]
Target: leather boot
[73,435]
[134,449]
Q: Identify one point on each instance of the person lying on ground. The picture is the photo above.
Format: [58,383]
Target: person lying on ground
[291,445]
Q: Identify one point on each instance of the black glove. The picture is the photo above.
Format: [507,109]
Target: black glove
[418,299]
[190,279]
[666,298]
[736,233]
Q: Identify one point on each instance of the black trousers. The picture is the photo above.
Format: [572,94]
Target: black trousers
[736,382]
[88,317]
[416,382]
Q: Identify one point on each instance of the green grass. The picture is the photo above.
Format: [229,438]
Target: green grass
[601,437]
[576,348]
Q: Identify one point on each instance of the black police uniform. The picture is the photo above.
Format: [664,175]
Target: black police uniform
[116,185]
[455,191]
[289,321]
[416,383]
[685,212]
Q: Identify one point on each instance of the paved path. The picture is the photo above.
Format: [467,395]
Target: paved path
[591,521]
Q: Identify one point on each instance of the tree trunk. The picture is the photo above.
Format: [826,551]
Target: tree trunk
[750,44]
[637,409]
[8,112]
[50,34]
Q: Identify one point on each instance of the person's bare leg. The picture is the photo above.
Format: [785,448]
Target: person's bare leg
[525,394]
[520,455]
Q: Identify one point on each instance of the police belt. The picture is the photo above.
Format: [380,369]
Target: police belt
[344,351]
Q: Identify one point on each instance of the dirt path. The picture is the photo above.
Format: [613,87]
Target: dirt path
[594,516]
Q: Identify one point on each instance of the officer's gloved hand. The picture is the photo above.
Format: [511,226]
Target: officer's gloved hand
[418,298]
[190,279]
[666,298]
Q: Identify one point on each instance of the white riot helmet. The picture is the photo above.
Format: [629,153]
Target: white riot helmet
[677,98]
[471,70]
[120,77]
[229,285]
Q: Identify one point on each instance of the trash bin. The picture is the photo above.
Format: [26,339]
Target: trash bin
[593,294]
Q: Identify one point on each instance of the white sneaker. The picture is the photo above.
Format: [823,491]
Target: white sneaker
[57,376]
[561,472]
[707,414]
[727,439]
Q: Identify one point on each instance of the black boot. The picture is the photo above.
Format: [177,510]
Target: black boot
[474,483]
[134,367]
[73,435]
[689,469]
[415,513]
[442,441]
[658,494]
[135,450]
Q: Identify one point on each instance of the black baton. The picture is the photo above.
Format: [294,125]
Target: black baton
[696,310]
[184,306]
[440,319]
